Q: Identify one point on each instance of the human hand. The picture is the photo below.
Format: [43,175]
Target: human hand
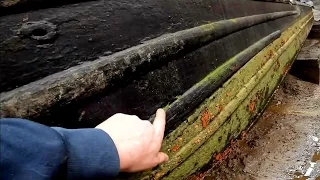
[138,141]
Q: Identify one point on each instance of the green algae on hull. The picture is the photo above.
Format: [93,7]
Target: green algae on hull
[232,107]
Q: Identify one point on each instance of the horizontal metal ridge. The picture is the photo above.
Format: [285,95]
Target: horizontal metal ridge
[91,78]
[196,94]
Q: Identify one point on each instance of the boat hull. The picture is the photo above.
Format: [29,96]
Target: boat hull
[213,69]
[233,107]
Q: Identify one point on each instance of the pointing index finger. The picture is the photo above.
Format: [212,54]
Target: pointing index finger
[159,124]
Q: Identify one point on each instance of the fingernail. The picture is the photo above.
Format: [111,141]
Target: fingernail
[160,110]
[167,158]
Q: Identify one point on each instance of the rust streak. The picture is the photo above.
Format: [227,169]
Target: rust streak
[205,117]
[175,148]
[252,105]
[219,107]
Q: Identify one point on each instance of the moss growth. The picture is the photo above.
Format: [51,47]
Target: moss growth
[256,82]
[166,107]
[264,78]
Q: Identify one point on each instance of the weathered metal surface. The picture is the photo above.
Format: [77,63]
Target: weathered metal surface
[87,30]
[197,94]
[198,64]
[80,111]
[94,77]
[232,107]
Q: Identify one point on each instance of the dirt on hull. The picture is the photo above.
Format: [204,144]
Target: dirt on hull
[283,144]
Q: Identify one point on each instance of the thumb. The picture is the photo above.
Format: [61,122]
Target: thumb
[161,157]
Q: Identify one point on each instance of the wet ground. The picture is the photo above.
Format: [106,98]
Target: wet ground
[283,144]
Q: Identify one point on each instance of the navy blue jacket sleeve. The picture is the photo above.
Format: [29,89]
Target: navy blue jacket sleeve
[29,150]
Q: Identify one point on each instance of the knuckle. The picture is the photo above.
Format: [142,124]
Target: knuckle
[135,116]
[118,114]
[147,122]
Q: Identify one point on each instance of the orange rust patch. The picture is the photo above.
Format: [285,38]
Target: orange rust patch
[277,66]
[180,139]
[196,126]
[222,156]
[205,117]
[219,157]
[219,107]
[197,141]
[175,148]
[252,105]
[270,54]
[228,94]
[286,69]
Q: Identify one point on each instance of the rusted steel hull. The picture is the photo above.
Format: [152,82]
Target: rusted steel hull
[212,67]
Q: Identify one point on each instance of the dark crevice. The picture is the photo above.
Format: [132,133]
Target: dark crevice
[39,32]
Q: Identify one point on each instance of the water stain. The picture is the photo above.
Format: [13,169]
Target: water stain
[316,157]
[297,173]
[279,109]
[301,178]
[290,108]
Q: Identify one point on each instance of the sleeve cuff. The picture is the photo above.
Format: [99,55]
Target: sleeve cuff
[92,153]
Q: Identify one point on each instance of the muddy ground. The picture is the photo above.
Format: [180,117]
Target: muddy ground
[283,144]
